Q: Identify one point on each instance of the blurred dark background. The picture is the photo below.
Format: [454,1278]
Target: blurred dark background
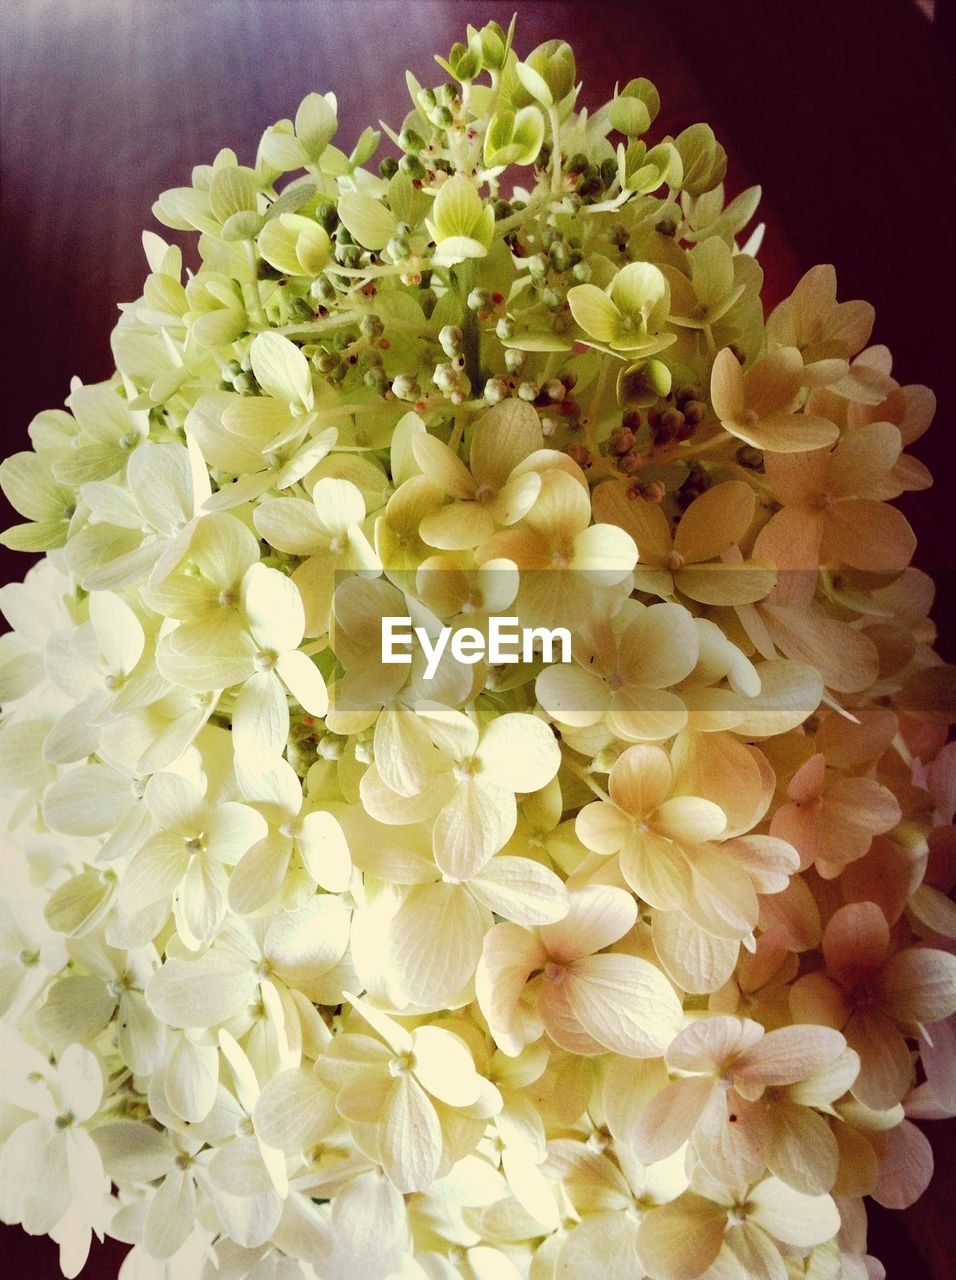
[843,110]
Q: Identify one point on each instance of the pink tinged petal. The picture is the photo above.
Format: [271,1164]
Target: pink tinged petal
[434,942]
[680,1240]
[906,1167]
[171,1215]
[886,1067]
[868,535]
[785,1056]
[561,1021]
[855,943]
[791,539]
[696,961]
[646,715]
[791,1217]
[509,956]
[154,873]
[640,780]
[804,1154]
[770,862]
[861,461]
[919,985]
[707,1044]
[625,1003]
[410,1137]
[598,916]
[668,1119]
[732,1138]
[304,681]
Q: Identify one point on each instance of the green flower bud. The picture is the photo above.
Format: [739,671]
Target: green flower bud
[371,327]
[322,290]
[326,215]
[231,369]
[377,379]
[478,300]
[245,384]
[409,140]
[427,100]
[388,167]
[549,72]
[411,165]
[560,255]
[442,118]
[581,272]
[703,158]
[551,298]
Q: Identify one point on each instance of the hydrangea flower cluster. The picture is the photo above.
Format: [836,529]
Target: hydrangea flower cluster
[316,968]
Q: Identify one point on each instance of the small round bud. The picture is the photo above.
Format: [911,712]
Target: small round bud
[528,391]
[581,455]
[326,215]
[505,328]
[578,163]
[538,265]
[325,361]
[388,167]
[442,118]
[409,140]
[608,171]
[549,426]
[503,209]
[560,255]
[666,227]
[479,300]
[621,441]
[398,249]
[630,463]
[514,360]
[695,412]
[377,379]
[371,327]
[554,389]
[245,384]
[406,388]
[581,272]
[411,165]
[551,298]
[231,369]
[426,99]
[496,390]
[750,457]
[451,339]
[445,377]
[322,290]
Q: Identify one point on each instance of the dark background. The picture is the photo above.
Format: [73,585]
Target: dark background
[843,111]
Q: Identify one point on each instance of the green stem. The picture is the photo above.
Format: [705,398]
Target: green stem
[555,151]
[464,277]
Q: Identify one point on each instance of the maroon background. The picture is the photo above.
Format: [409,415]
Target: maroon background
[843,111]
